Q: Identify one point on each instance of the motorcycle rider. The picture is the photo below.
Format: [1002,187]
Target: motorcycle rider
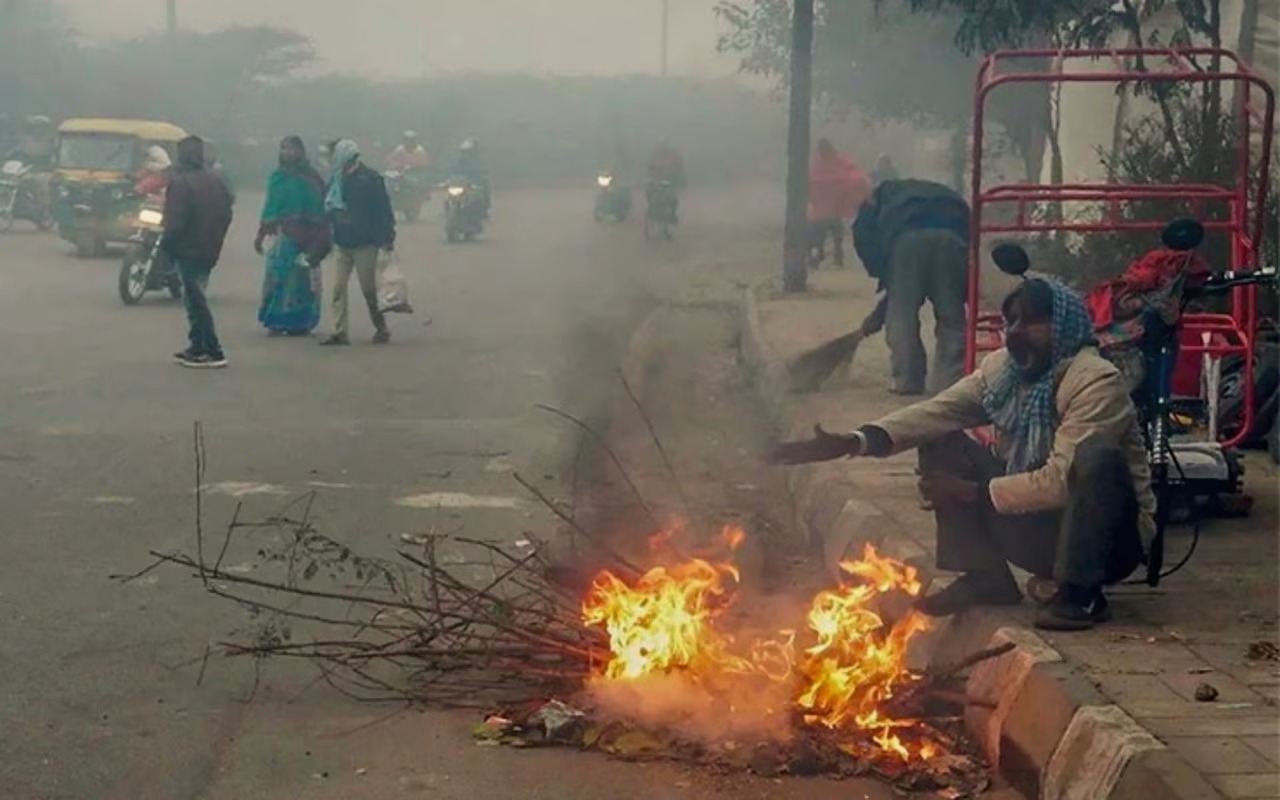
[409,155]
[36,150]
[666,165]
[156,170]
[470,167]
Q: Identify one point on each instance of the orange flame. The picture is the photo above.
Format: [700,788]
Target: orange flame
[667,620]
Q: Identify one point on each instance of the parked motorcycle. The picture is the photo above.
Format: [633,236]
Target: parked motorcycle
[613,199]
[145,267]
[20,198]
[409,192]
[661,204]
[464,211]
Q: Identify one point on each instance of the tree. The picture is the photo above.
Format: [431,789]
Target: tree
[207,86]
[38,59]
[893,64]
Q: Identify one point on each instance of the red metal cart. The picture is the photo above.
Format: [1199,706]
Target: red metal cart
[1214,335]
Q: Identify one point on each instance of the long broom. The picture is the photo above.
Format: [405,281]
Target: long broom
[812,368]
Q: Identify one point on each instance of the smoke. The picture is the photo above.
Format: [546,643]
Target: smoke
[734,709]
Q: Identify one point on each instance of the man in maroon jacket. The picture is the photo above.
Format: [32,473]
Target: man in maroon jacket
[197,214]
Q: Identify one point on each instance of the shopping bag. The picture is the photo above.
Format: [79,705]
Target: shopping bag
[393,287]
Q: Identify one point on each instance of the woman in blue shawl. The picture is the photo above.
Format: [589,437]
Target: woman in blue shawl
[294,214]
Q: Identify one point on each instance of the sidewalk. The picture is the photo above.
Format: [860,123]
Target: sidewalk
[1106,714]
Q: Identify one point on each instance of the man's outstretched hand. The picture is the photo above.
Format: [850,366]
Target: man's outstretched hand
[823,446]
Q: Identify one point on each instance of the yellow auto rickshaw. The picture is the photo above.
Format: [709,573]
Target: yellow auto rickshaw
[98,164]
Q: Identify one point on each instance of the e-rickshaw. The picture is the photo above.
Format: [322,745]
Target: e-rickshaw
[1199,340]
[98,161]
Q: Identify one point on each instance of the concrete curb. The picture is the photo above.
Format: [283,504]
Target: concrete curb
[1048,729]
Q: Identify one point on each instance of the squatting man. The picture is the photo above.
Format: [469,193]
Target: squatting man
[1065,493]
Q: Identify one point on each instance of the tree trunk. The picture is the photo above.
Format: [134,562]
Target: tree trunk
[1056,167]
[958,156]
[795,257]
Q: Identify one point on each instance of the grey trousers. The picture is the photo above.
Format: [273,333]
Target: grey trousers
[1092,542]
[925,265]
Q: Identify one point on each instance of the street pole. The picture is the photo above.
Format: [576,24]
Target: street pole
[171,6]
[795,246]
[666,34]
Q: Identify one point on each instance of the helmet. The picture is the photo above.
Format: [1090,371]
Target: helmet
[410,135]
[157,159]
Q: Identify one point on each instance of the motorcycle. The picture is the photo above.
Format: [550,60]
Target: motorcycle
[662,202]
[613,200]
[145,268]
[409,192]
[19,198]
[464,211]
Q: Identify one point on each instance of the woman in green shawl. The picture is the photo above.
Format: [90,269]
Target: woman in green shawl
[294,215]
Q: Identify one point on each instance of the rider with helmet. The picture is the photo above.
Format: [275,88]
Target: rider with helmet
[409,155]
[469,166]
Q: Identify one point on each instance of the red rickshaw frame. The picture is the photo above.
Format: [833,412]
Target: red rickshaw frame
[1227,334]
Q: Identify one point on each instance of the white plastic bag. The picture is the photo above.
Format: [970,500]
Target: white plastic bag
[393,287]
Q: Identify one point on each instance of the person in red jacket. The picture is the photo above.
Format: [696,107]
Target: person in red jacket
[837,189]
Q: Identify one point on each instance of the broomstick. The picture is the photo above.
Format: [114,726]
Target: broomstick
[810,369]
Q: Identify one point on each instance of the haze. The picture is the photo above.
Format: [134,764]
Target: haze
[391,38]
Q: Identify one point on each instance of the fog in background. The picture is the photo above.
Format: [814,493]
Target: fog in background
[401,38]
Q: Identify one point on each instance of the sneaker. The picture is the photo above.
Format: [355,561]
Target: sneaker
[1074,609]
[972,589]
[204,361]
[185,355]
[336,340]
[382,337]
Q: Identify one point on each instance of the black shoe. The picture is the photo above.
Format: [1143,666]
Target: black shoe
[186,355]
[336,340]
[972,589]
[382,337]
[1074,609]
[204,361]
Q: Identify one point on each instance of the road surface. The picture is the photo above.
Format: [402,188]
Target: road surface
[100,700]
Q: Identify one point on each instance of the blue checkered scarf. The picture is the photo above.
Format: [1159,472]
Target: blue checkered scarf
[1024,412]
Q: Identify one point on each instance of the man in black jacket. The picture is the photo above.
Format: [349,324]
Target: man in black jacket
[913,237]
[363,225]
[197,214]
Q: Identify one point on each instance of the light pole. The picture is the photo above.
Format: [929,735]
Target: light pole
[795,245]
[666,34]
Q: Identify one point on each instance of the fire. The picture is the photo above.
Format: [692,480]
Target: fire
[858,660]
[840,671]
[663,621]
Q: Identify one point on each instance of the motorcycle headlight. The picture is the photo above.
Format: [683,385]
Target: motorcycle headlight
[457,191]
[149,216]
[604,181]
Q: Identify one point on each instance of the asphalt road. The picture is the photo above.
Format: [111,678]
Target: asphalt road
[100,700]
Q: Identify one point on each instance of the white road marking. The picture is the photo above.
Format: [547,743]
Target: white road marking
[111,500]
[327,485]
[458,500]
[240,489]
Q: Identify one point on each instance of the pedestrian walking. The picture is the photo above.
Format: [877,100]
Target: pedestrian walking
[364,227]
[197,214]
[294,215]
[837,189]
[913,236]
[883,171]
